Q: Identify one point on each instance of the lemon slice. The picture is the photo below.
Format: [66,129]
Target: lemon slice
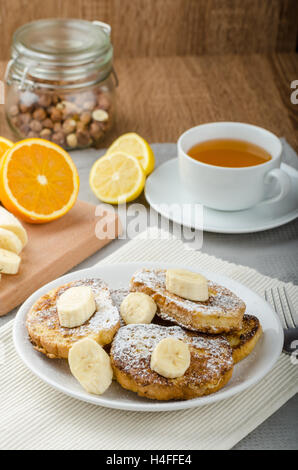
[117,178]
[135,145]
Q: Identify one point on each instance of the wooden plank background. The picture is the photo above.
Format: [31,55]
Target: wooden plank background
[185,91]
[185,62]
[170,27]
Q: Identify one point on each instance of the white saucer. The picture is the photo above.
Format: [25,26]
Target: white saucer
[163,188]
[56,372]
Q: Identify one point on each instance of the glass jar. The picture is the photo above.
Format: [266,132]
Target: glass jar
[61,82]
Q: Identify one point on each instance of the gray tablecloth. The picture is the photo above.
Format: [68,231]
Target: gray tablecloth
[272,252]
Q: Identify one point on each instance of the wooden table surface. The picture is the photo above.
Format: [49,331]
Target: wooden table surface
[163,96]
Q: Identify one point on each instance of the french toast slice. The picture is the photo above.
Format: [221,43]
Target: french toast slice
[244,341]
[221,313]
[211,364]
[50,338]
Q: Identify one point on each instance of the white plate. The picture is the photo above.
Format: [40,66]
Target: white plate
[56,372]
[163,189]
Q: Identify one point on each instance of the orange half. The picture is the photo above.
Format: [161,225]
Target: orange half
[5,144]
[38,181]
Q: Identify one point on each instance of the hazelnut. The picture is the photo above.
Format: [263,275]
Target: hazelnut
[56,115]
[60,106]
[27,100]
[69,126]
[58,138]
[45,100]
[24,128]
[32,135]
[70,108]
[48,123]
[50,109]
[24,108]
[14,110]
[85,117]
[72,140]
[103,102]
[25,118]
[57,127]
[81,126]
[55,99]
[96,131]
[35,126]
[83,138]
[100,115]
[46,134]
[39,114]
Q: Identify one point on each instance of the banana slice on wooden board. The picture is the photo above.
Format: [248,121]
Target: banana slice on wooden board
[9,222]
[9,262]
[9,241]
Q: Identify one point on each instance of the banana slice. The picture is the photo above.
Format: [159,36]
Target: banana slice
[170,358]
[138,308]
[9,262]
[91,366]
[9,241]
[10,222]
[186,284]
[75,306]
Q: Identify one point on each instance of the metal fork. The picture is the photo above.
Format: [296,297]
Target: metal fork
[283,306]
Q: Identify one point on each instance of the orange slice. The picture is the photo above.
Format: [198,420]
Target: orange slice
[38,181]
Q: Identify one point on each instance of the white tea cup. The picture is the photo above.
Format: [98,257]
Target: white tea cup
[226,188]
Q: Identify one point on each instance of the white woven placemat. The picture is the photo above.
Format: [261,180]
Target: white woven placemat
[34,416]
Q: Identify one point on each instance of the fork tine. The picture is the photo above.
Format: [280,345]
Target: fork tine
[266,296]
[290,307]
[284,320]
[283,309]
[273,298]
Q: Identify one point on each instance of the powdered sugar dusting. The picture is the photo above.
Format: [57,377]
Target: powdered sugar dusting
[221,300]
[133,345]
[118,295]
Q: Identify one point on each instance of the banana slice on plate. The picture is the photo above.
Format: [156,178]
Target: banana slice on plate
[9,262]
[186,284]
[75,306]
[170,358]
[91,366]
[9,241]
[9,222]
[138,308]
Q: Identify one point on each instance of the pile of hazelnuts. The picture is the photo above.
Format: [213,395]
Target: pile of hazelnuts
[77,120]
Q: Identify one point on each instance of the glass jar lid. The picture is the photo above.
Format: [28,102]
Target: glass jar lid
[61,49]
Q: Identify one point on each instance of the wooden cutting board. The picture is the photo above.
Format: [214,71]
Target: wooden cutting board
[55,248]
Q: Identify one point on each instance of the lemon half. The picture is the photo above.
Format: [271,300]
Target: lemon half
[117,178]
[135,145]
